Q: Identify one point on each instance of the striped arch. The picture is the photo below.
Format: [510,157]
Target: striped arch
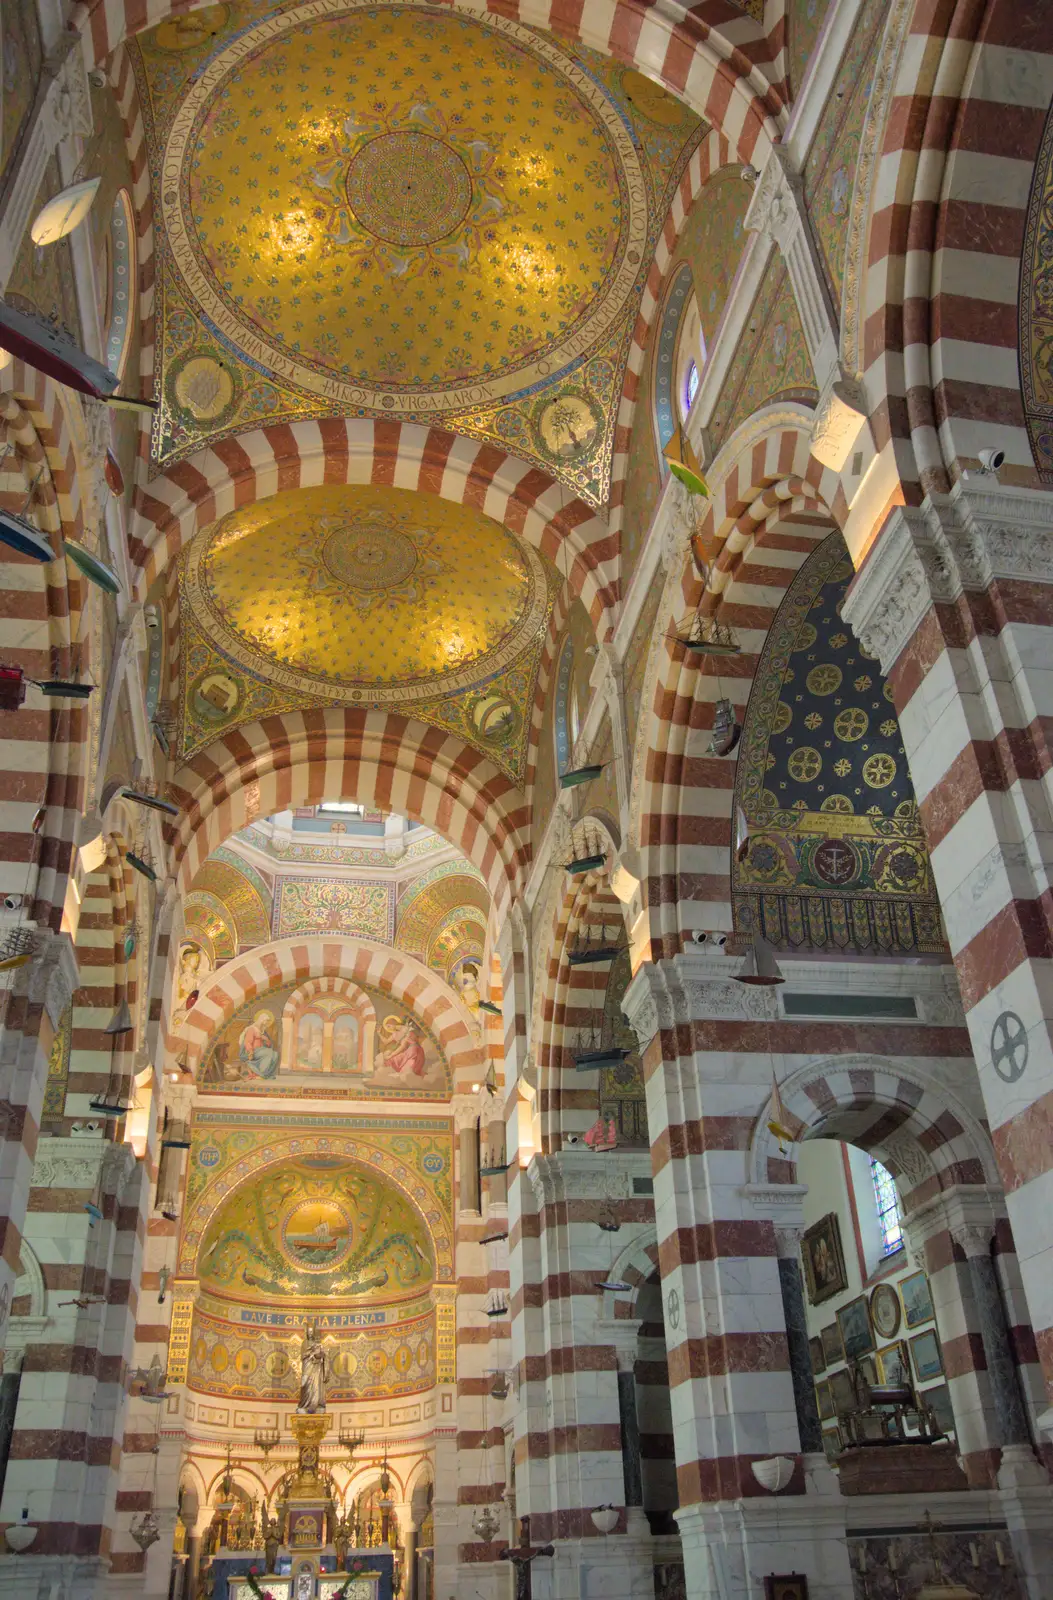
[713,153]
[636,1265]
[915,1126]
[941,241]
[324,961]
[36,633]
[571,998]
[122,81]
[387,762]
[713,56]
[767,513]
[172,507]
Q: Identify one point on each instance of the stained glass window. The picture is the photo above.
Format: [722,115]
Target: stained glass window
[887,1202]
[691,384]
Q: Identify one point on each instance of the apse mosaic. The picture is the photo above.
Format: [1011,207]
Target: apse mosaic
[363,596]
[326,1037]
[233,1152]
[836,857]
[318,1229]
[359,217]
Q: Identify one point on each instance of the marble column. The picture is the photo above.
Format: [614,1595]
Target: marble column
[409,1565]
[1010,1412]
[791,1284]
[630,1426]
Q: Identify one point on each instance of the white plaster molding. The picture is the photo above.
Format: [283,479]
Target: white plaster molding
[578,1174]
[53,975]
[975,1207]
[693,986]
[840,418]
[820,78]
[778,211]
[962,541]
[63,111]
[62,1164]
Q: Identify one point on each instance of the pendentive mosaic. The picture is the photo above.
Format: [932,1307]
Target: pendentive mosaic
[836,857]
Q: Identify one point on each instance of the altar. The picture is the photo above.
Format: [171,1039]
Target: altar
[307,1585]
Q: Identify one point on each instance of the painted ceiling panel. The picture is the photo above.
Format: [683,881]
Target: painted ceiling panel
[401,210]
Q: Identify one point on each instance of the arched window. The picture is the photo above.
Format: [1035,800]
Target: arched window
[565,726]
[887,1203]
[691,383]
[120,307]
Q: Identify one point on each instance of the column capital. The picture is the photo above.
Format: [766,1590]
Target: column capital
[576,1174]
[965,1207]
[973,1238]
[788,1237]
[693,986]
[950,544]
[623,1333]
[52,975]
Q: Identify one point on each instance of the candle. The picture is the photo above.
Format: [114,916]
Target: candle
[893,1559]
[999,1553]
[974,1554]
[862,1558]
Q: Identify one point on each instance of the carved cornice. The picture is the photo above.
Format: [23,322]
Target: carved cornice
[60,1164]
[579,1175]
[692,987]
[52,975]
[962,541]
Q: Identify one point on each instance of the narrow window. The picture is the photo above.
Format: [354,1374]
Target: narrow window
[887,1203]
[691,383]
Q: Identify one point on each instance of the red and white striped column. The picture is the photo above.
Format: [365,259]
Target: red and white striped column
[956,600]
[707,1067]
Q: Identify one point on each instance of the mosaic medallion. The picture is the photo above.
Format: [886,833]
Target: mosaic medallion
[408,188]
[370,557]
[317,1235]
[201,389]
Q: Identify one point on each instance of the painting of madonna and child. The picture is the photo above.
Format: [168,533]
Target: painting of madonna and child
[326,1037]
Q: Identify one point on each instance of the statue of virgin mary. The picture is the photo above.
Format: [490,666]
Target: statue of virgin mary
[313,1372]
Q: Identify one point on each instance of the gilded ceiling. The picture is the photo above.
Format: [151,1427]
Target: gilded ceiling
[363,596]
[401,210]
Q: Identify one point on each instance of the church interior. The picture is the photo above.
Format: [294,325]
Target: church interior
[526,800]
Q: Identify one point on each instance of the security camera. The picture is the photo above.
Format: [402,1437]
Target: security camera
[152,617]
[12,902]
[749,174]
[991,460]
[571,1138]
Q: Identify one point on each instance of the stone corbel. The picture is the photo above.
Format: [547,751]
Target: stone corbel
[53,975]
[840,418]
[778,210]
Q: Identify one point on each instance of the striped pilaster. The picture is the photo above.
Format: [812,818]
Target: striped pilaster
[956,599]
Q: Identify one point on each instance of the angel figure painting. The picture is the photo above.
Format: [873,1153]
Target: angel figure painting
[333,1035]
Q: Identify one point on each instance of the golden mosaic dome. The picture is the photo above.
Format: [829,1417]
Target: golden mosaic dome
[382,205]
[365,593]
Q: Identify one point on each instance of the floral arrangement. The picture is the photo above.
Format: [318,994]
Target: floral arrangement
[253,1577]
[355,1570]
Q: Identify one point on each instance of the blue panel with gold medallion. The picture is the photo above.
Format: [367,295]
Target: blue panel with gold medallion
[836,858]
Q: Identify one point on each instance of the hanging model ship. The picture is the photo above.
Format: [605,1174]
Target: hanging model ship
[42,342]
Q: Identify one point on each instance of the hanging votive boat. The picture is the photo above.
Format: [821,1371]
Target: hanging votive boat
[726,729]
[16,949]
[153,801]
[64,212]
[760,967]
[97,571]
[579,775]
[706,636]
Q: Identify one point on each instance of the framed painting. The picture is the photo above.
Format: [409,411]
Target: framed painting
[824,1396]
[884,1311]
[824,1261]
[786,1586]
[938,1397]
[843,1391]
[857,1334]
[894,1363]
[926,1355]
[917,1301]
[815,1350]
[833,1349]
[832,1442]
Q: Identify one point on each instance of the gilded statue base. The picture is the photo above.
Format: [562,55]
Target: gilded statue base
[309,1429]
